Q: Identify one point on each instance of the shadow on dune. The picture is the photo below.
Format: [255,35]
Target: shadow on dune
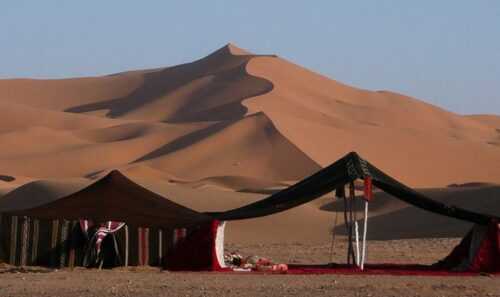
[7,178]
[211,89]
[184,141]
[382,202]
[259,191]
[397,220]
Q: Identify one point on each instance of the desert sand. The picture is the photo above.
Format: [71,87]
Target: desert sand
[34,281]
[234,127]
[233,119]
[235,122]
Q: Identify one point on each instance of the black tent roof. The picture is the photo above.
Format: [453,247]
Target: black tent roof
[340,173]
[113,197]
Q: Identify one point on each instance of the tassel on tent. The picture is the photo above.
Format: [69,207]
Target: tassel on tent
[368,188]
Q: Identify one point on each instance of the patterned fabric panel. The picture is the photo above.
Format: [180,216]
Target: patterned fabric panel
[60,243]
[25,241]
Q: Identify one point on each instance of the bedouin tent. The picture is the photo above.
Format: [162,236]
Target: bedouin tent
[479,250]
[84,228]
[161,232]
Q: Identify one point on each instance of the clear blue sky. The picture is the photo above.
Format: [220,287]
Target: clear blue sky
[446,52]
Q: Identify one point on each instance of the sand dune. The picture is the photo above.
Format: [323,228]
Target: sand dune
[39,192]
[321,117]
[251,147]
[60,94]
[14,116]
[404,136]
[490,120]
[235,122]
[209,89]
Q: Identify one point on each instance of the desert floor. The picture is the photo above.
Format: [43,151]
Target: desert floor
[230,129]
[153,282]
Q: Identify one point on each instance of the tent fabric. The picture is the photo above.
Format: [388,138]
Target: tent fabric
[200,248]
[336,176]
[26,241]
[112,198]
[478,251]
[50,233]
[54,243]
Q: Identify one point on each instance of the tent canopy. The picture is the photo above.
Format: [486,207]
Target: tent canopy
[115,197]
[112,198]
[337,175]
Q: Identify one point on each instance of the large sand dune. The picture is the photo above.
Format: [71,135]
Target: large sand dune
[237,122]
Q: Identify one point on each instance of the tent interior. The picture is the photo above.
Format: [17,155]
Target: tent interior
[83,229]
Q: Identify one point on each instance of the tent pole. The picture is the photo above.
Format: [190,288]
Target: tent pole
[356,229]
[352,195]
[357,242]
[348,230]
[363,255]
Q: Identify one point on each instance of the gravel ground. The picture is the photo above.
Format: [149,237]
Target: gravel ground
[35,281]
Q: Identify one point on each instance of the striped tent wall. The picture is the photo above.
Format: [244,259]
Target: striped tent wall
[141,246]
[26,241]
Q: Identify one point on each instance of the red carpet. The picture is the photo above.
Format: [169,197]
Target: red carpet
[376,269]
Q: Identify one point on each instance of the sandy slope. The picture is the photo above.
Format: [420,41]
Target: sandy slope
[320,118]
[490,120]
[250,147]
[421,144]
[235,121]
[59,94]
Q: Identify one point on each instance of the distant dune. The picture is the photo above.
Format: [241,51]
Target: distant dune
[235,122]
[490,120]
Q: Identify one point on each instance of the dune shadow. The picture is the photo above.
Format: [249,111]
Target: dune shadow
[160,83]
[380,201]
[155,85]
[7,178]
[259,191]
[468,185]
[407,221]
[184,141]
